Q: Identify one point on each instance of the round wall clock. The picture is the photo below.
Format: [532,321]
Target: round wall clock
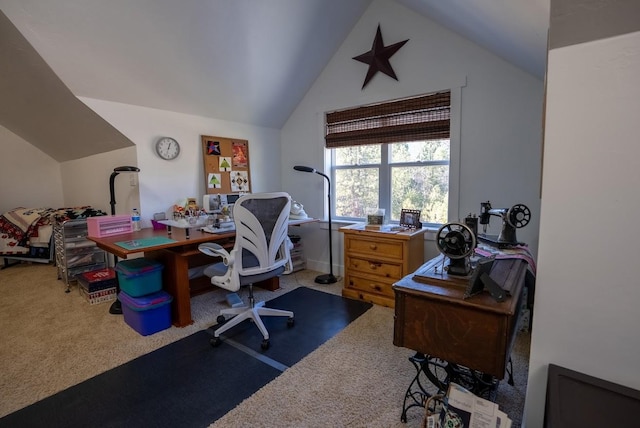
[167,148]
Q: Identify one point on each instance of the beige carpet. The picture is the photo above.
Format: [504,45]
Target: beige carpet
[51,340]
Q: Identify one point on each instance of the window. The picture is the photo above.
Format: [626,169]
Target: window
[392,155]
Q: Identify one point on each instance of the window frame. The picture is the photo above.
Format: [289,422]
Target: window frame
[454,156]
[384,168]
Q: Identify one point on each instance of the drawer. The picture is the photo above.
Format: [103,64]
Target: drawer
[369,285]
[373,267]
[73,272]
[75,232]
[77,246]
[388,249]
[86,258]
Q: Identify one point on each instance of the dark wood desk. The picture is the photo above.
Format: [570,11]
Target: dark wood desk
[466,341]
[177,257]
[432,317]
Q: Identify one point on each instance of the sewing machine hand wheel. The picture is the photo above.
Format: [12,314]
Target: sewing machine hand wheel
[455,240]
[518,216]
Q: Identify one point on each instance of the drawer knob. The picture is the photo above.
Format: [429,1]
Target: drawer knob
[374,266]
[373,247]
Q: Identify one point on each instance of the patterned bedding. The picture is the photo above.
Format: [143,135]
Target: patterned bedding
[23,228]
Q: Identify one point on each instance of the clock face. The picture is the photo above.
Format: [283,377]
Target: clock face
[167,148]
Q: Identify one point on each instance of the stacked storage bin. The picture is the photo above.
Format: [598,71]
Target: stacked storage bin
[97,286]
[146,308]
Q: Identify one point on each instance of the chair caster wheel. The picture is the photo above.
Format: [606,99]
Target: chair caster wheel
[221,319]
[265,344]
[291,322]
[215,342]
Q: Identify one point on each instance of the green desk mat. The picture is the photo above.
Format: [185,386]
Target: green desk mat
[136,244]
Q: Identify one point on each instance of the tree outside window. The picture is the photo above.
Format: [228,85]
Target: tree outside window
[396,176]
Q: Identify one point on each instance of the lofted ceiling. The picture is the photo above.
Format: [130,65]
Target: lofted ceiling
[246,61]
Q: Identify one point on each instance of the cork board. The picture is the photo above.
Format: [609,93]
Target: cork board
[226,165]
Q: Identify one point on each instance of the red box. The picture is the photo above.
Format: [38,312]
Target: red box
[109,225]
[98,279]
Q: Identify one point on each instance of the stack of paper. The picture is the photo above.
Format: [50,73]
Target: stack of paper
[464,409]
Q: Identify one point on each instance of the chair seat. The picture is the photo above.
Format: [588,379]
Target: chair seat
[249,260]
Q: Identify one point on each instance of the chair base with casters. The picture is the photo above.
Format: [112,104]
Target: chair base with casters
[260,252]
[253,312]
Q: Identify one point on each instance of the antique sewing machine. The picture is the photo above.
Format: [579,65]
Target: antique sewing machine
[513,218]
[457,242]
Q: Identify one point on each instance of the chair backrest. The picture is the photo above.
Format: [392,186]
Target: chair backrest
[262,221]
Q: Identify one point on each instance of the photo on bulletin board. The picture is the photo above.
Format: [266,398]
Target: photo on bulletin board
[226,165]
[214,181]
[240,154]
[213,148]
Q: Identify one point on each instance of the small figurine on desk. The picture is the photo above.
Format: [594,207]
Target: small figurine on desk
[226,212]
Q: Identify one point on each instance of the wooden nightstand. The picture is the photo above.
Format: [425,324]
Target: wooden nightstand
[375,260]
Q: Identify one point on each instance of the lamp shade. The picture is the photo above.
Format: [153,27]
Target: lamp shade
[304,168]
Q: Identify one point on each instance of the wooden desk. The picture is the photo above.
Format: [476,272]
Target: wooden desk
[432,317]
[177,257]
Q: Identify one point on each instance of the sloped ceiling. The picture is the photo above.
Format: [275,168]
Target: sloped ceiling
[244,60]
[39,108]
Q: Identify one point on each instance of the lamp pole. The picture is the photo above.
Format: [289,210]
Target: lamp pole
[116,306]
[325,278]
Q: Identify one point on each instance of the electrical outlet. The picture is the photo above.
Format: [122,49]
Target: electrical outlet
[133,182]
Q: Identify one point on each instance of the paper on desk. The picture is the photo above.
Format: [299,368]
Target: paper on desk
[222,229]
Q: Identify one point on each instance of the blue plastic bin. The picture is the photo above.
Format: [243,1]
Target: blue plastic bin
[138,277]
[147,314]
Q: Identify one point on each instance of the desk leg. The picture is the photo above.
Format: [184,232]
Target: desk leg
[439,374]
[271,284]
[417,393]
[175,278]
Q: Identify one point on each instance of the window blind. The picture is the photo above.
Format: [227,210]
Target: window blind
[425,117]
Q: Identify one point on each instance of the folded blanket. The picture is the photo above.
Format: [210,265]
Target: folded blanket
[517,252]
[22,223]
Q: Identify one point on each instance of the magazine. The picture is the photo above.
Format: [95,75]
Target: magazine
[463,409]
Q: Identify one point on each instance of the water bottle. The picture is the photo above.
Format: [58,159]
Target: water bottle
[135,219]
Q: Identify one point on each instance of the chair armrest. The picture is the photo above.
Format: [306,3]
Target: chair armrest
[214,250]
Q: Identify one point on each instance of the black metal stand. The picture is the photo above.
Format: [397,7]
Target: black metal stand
[434,375]
[324,278]
[116,306]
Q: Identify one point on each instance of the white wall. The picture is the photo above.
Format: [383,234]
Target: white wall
[499,128]
[585,315]
[163,183]
[86,181]
[28,177]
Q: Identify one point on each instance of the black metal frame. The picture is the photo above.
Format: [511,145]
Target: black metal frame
[434,373]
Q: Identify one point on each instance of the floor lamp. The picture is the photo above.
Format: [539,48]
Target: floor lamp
[327,278]
[116,307]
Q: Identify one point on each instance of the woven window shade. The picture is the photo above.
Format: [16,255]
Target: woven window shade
[411,119]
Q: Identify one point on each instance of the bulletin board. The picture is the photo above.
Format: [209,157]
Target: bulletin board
[226,165]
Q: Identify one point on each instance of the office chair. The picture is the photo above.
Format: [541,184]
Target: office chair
[260,252]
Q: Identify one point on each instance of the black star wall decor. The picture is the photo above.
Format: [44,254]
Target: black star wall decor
[378,57]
